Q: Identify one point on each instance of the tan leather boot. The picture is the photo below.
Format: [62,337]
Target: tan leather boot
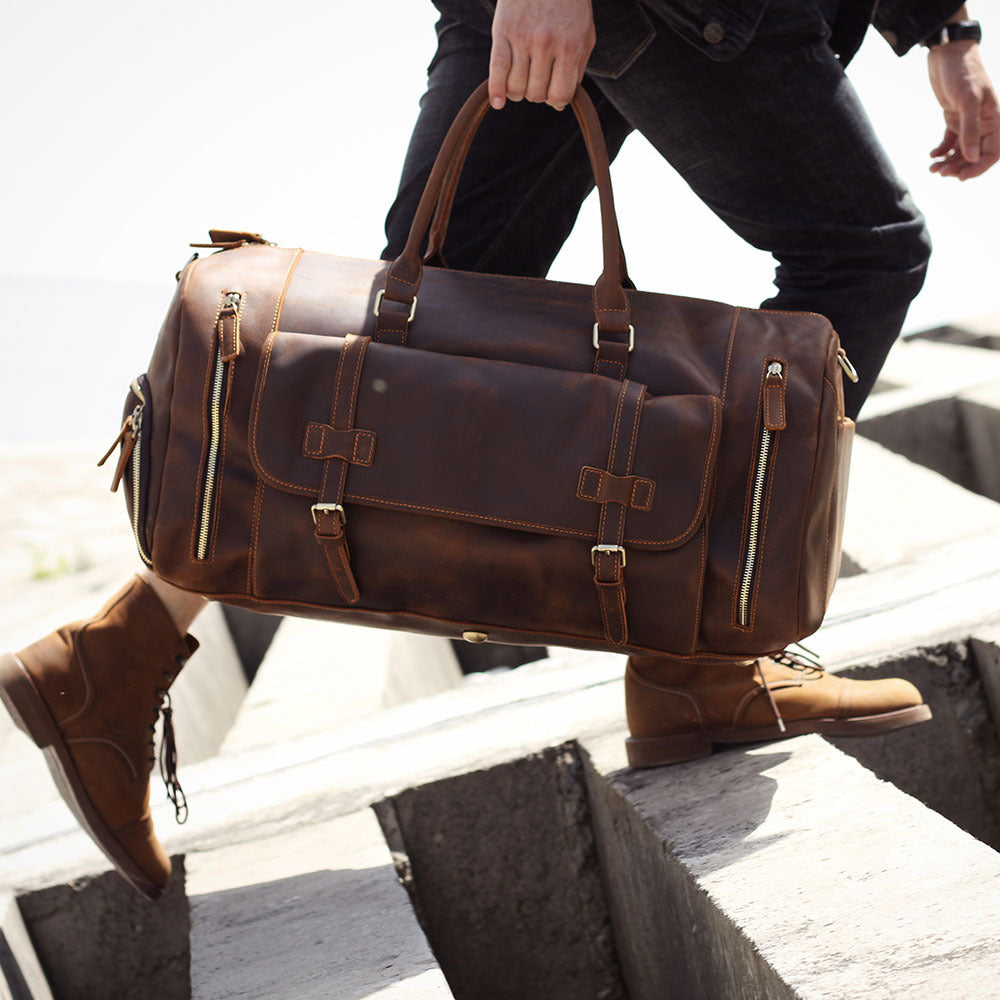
[677,709]
[88,695]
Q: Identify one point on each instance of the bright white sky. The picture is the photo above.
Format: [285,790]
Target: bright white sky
[130,128]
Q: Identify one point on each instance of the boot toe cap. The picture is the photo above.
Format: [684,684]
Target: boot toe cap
[876,697]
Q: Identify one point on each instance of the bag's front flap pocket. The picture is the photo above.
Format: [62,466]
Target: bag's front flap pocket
[510,445]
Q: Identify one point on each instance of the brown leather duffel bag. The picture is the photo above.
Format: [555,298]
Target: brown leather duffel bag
[502,458]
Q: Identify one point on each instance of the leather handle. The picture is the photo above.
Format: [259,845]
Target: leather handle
[611,306]
[439,226]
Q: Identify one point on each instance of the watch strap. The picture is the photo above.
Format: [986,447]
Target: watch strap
[956,31]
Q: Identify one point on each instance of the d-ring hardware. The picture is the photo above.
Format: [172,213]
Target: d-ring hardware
[597,337]
[380,294]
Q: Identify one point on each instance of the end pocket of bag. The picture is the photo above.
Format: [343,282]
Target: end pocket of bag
[132,467]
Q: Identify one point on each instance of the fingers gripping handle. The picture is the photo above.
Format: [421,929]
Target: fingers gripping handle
[611,307]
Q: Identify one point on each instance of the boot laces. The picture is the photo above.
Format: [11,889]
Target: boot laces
[804,660]
[770,697]
[168,747]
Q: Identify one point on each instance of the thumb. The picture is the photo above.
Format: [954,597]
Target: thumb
[969,132]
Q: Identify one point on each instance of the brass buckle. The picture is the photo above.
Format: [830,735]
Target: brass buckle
[606,548]
[317,507]
[597,337]
[380,294]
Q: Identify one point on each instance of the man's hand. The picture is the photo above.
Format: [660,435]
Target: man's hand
[971,143]
[540,50]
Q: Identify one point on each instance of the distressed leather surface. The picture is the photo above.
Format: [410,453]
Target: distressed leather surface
[463,464]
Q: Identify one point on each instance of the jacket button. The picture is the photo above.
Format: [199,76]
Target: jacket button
[714,32]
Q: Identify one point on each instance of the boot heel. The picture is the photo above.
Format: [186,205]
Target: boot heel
[24,703]
[654,751]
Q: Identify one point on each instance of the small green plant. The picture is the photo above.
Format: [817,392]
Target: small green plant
[48,565]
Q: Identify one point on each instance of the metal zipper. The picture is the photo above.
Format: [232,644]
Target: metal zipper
[774,370]
[215,434]
[230,305]
[136,459]
[136,483]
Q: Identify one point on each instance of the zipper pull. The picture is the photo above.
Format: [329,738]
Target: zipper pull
[845,362]
[126,438]
[774,397]
[229,325]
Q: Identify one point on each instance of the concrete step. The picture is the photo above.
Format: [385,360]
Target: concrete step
[313,911]
[918,371]
[897,510]
[262,819]
[790,871]
[318,675]
[943,409]
[21,975]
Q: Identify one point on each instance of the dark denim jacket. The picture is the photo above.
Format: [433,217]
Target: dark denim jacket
[722,29]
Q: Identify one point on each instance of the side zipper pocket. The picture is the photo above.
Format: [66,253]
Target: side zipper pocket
[227,347]
[133,461]
[772,423]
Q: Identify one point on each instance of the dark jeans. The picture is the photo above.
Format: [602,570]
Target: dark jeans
[775,142]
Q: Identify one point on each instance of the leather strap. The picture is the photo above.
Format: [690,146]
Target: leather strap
[328,512]
[433,253]
[609,553]
[402,281]
[393,320]
[611,359]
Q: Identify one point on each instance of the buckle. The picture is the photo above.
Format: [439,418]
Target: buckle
[380,294]
[317,507]
[606,548]
[597,337]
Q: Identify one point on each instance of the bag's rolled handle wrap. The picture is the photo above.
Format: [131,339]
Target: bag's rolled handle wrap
[611,305]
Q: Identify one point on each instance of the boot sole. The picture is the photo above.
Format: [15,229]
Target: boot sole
[28,710]
[655,751]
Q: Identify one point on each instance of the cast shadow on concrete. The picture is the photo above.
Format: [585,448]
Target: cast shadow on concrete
[99,939]
[706,810]
[343,933]
[952,763]
[659,832]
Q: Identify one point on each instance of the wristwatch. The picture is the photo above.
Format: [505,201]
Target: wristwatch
[957,31]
